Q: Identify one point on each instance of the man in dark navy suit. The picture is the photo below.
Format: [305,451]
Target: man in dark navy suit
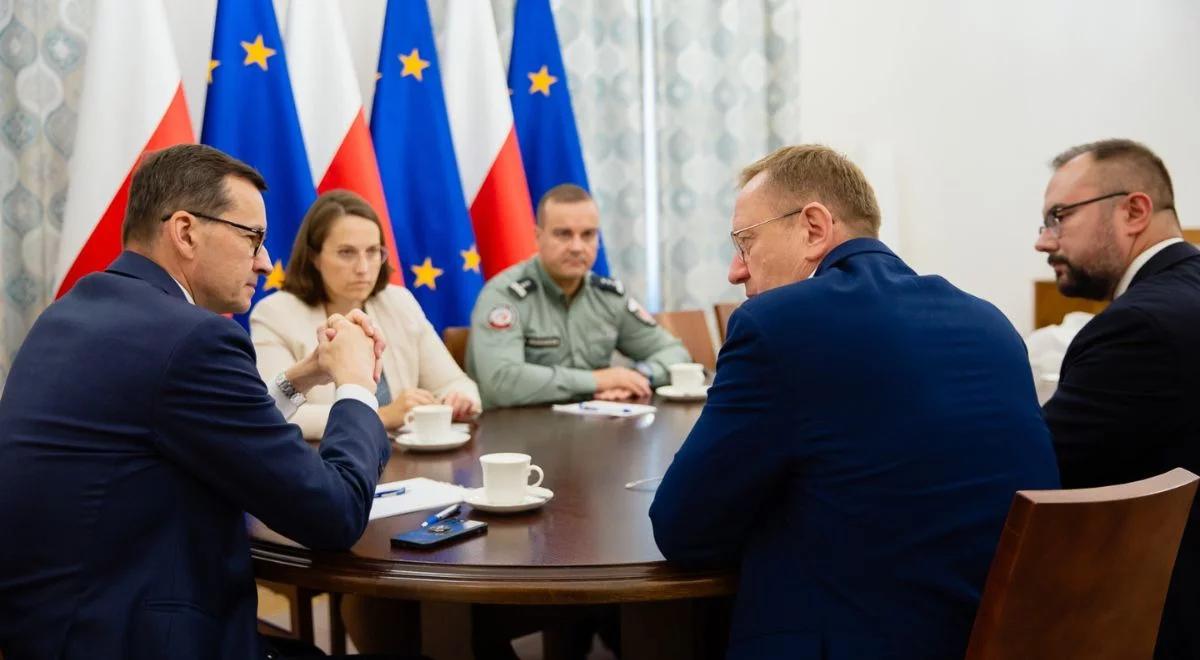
[863,438]
[1125,408]
[136,432]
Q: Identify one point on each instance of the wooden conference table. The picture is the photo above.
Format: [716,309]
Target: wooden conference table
[592,544]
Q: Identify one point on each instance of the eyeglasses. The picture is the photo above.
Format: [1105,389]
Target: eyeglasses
[349,256]
[739,242]
[258,234]
[1052,222]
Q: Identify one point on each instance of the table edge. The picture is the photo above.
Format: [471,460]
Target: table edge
[549,585]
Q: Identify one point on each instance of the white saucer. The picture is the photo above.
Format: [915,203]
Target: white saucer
[453,440]
[672,393]
[461,427]
[535,497]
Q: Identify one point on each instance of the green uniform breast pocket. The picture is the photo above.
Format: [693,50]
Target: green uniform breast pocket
[601,342]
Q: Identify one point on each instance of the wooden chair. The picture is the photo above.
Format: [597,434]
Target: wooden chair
[723,311]
[455,339]
[692,328]
[1083,573]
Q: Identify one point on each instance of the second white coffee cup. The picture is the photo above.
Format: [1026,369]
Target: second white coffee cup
[506,477]
[431,422]
[687,376]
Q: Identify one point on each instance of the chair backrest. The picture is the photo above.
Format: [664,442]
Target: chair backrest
[455,339]
[1083,573]
[692,329]
[723,311]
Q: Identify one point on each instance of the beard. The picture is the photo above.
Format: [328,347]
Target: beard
[1079,282]
[1098,279]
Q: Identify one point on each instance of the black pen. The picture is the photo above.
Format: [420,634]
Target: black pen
[399,490]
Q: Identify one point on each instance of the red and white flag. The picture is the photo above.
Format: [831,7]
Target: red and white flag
[330,106]
[132,103]
[485,144]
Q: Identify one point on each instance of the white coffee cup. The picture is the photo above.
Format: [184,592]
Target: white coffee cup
[431,423]
[506,477]
[687,376]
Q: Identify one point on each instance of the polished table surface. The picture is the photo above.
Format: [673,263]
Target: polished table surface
[591,544]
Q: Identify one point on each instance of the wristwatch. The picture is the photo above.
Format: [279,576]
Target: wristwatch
[289,390]
[645,369]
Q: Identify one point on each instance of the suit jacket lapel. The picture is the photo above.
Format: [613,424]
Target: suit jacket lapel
[1166,258]
[850,248]
[135,265]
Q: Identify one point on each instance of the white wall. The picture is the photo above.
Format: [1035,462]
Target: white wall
[968,101]
[953,107]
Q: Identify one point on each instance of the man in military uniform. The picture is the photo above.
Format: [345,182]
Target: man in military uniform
[545,329]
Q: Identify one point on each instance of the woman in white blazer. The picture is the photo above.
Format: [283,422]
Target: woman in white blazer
[338,264]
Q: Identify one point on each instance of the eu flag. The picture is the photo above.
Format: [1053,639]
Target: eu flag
[425,198]
[541,106]
[250,114]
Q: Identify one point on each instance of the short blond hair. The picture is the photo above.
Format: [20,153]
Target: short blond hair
[815,173]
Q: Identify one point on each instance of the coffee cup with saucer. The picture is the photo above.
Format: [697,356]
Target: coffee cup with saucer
[687,383]
[431,430]
[506,487]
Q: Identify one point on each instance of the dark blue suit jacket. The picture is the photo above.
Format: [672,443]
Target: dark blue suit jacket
[1125,409]
[857,457]
[135,432]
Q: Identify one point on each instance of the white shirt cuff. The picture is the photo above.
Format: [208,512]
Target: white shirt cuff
[358,393]
[282,402]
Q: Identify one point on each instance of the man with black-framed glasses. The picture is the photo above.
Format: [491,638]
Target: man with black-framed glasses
[137,433]
[1124,407]
[863,437]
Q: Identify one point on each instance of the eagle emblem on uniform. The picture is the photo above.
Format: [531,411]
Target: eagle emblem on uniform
[501,317]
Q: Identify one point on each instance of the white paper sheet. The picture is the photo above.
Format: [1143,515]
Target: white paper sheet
[605,408]
[419,494]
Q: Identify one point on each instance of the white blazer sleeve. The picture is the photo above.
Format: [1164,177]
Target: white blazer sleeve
[437,370]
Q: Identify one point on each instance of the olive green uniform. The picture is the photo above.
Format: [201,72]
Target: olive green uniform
[529,345]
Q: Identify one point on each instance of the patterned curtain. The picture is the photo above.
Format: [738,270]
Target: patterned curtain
[728,88]
[42,45]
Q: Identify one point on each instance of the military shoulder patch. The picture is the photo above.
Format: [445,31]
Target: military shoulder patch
[608,284]
[523,287]
[501,317]
[640,312]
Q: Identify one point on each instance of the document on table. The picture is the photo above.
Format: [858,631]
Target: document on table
[605,408]
[419,494]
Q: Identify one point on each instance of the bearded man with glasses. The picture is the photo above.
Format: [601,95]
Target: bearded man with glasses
[863,437]
[1124,407]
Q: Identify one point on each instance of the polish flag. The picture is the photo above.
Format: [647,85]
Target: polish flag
[485,144]
[330,106]
[132,103]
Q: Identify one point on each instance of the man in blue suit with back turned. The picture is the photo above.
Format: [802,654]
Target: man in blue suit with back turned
[136,430]
[863,438]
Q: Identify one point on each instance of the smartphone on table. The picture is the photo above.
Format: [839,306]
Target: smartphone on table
[439,533]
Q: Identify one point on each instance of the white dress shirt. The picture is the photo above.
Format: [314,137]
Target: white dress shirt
[284,403]
[1140,261]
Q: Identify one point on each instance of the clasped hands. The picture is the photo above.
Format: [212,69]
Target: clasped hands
[620,384]
[349,351]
